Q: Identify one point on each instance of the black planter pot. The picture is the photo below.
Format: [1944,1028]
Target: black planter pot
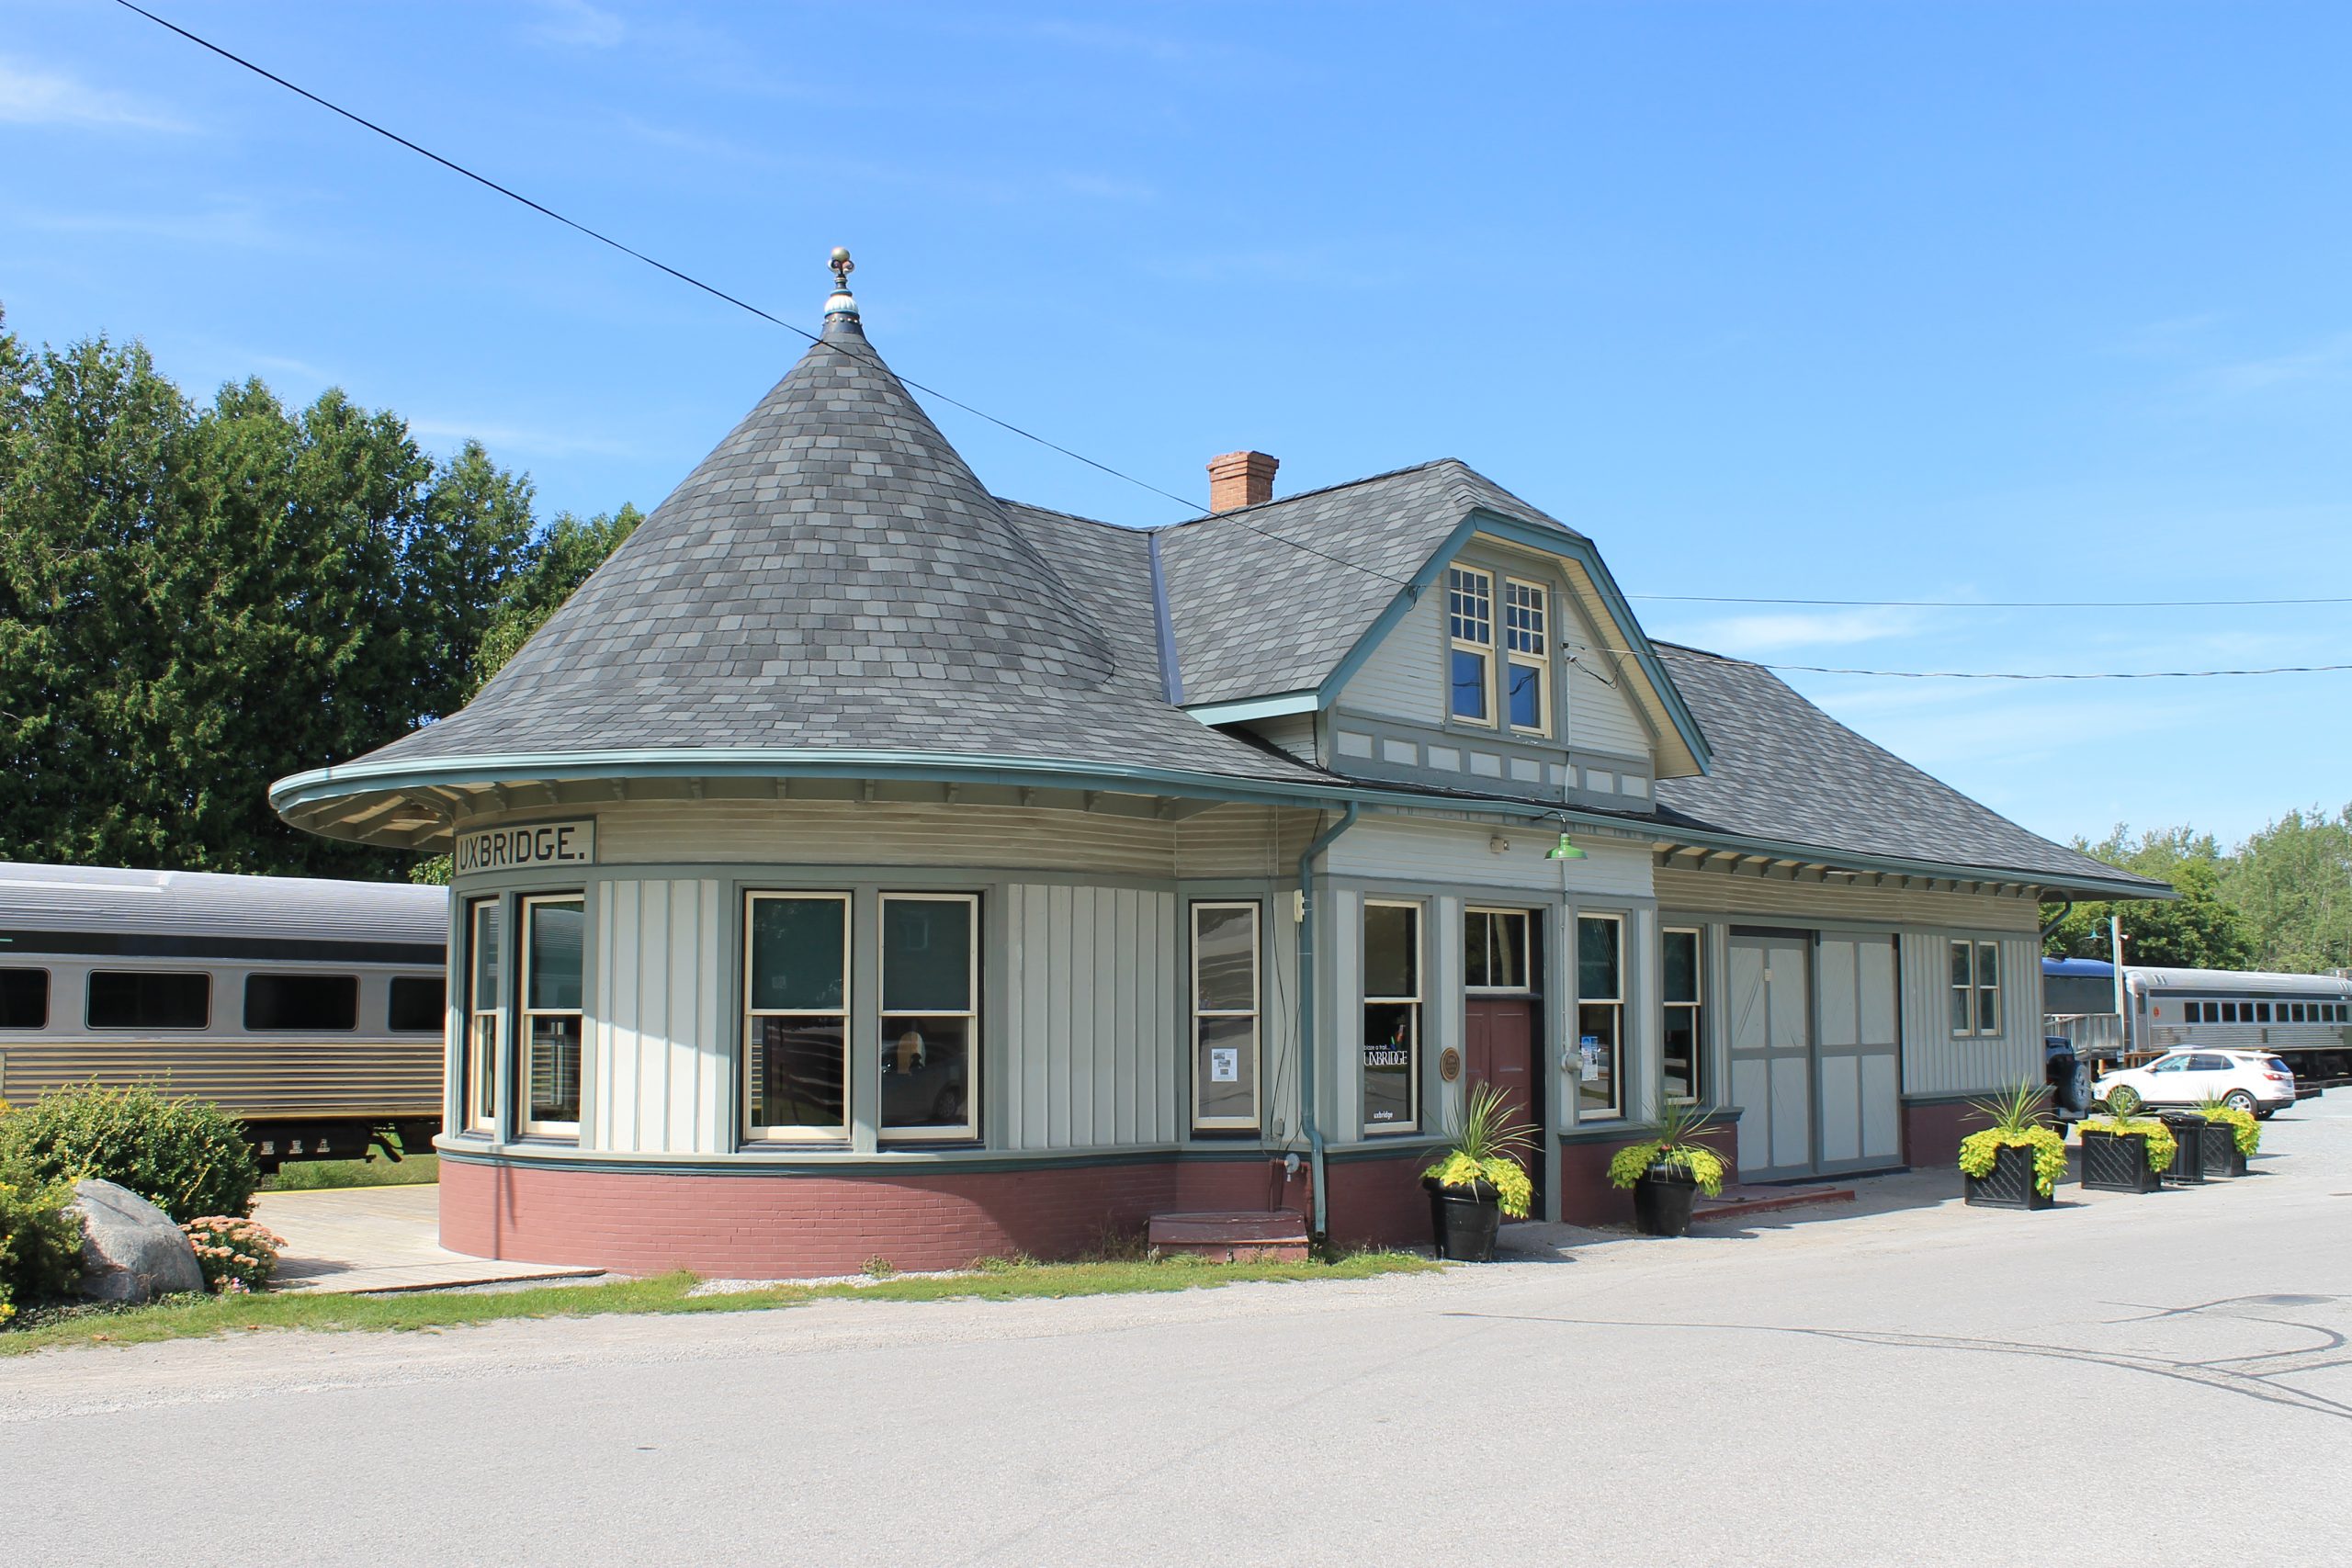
[2117,1163]
[1662,1197]
[1463,1220]
[2010,1184]
[2188,1167]
[2218,1142]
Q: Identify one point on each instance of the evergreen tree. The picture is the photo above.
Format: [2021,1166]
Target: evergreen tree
[2198,930]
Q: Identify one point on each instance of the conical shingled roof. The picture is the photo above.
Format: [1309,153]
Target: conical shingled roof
[832,575]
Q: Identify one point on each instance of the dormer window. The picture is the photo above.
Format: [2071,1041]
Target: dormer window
[1470,610]
[1527,619]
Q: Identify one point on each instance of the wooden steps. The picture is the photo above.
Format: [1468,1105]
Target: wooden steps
[1232,1235]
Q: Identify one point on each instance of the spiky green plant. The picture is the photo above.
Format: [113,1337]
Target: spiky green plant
[2020,1120]
[1492,1146]
[2243,1127]
[1674,1143]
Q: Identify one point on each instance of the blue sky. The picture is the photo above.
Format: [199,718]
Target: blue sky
[1891,299]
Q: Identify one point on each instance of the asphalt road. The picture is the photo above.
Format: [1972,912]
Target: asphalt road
[2134,1380]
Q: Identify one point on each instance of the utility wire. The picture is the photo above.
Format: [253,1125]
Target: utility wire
[603,239]
[1990,603]
[874,361]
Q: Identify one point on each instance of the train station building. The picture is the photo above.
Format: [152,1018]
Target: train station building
[864,865]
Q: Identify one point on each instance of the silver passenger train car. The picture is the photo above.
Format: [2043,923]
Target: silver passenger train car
[311,1011]
[2306,1019]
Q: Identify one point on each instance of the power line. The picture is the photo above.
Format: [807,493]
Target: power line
[874,362]
[1990,603]
[2038,675]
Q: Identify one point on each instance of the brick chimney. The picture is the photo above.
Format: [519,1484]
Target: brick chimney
[1241,479]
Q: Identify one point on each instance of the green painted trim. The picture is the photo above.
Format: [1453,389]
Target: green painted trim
[1969,1098]
[1247,708]
[1410,1146]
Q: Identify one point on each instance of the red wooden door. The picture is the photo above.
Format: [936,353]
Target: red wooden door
[1498,1048]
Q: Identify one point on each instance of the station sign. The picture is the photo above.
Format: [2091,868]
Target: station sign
[526,846]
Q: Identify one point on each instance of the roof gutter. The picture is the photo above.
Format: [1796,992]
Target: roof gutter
[1316,1222]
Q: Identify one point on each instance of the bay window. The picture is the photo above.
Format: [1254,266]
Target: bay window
[795,1015]
[930,1021]
[1392,1016]
[1600,1015]
[1226,1017]
[554,946]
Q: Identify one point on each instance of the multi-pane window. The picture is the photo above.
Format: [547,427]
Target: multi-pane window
[930,1046]
[1392,1016]
[24,998]
[554,944]
[301,1002]
[133,999]
[1226,1016]
[1497,950]
[1976,988]
[1600,1014]
[1683,1044]
[795,1015]
[1470,618]
[484,1019]
[1527,668]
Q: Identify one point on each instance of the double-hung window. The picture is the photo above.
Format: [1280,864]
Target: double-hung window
[1600,1014]
[930,1035]
[484,1018]
[1684,1037]
[1976,988]
[554,945]
[1527,668]
[1226,1017]
[1497,950]
[1470,659]
[795,1015]
[1392,1016]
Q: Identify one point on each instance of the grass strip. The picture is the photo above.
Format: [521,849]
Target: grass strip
[191,1317]
[317,1175]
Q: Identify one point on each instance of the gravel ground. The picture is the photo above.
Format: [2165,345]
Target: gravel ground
[2125,1380]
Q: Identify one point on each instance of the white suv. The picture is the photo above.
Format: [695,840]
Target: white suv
[2247,1080]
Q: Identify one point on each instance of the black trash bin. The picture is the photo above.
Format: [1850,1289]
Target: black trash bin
[2188,1130]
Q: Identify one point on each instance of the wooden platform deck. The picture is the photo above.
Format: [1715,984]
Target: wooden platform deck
[1232,1235]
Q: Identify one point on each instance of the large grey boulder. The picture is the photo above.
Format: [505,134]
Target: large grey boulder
[131,1249]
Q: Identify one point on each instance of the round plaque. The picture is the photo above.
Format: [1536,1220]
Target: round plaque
[1449,1064]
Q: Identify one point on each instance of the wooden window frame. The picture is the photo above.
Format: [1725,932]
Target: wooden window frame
[1418,1014]
[1538,659]
[485,1026]
[1975,989]
[970,1131]
[1615,1110]
[1696,1008]
[783,1133]
[1256,1015]
[525,1013]
[1457,586]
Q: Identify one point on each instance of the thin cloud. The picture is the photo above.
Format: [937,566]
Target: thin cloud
[2329,360]
[575,24]
[520,438]
[1754,636]
[239,227]
[30,95]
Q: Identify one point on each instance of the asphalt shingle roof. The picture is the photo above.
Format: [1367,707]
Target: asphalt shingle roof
[1269,598]
[1786,770]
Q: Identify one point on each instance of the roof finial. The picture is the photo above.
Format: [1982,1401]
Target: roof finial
[842,303]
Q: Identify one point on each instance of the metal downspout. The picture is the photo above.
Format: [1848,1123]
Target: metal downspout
[2065,909]
[1307,1011]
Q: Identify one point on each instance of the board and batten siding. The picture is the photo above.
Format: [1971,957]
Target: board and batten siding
[660,1018]
[1091,1057]
[1935,1062]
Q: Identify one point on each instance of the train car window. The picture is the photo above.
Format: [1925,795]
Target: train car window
[275,1002]
[135,999]
[2262,1013]
[24,998]
[418,1002]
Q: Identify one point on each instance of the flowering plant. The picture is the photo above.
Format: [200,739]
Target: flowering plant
[236,1256]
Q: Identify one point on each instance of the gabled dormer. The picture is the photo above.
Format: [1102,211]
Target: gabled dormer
[1425,628]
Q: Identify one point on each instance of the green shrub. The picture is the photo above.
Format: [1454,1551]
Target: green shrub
[2018,1116]
[40,1241]
[186,1157]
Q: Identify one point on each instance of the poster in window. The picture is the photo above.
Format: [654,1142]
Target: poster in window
[1225,1064]
[1588,1059]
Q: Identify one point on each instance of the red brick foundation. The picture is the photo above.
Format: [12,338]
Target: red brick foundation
[1585,1197]
[764,1224]
[1931,1132]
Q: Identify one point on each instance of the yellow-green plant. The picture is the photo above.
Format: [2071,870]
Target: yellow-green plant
[1492,1147]
[2243,1127]
[2018,1122]
[2161,1144]
[1675,1145]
